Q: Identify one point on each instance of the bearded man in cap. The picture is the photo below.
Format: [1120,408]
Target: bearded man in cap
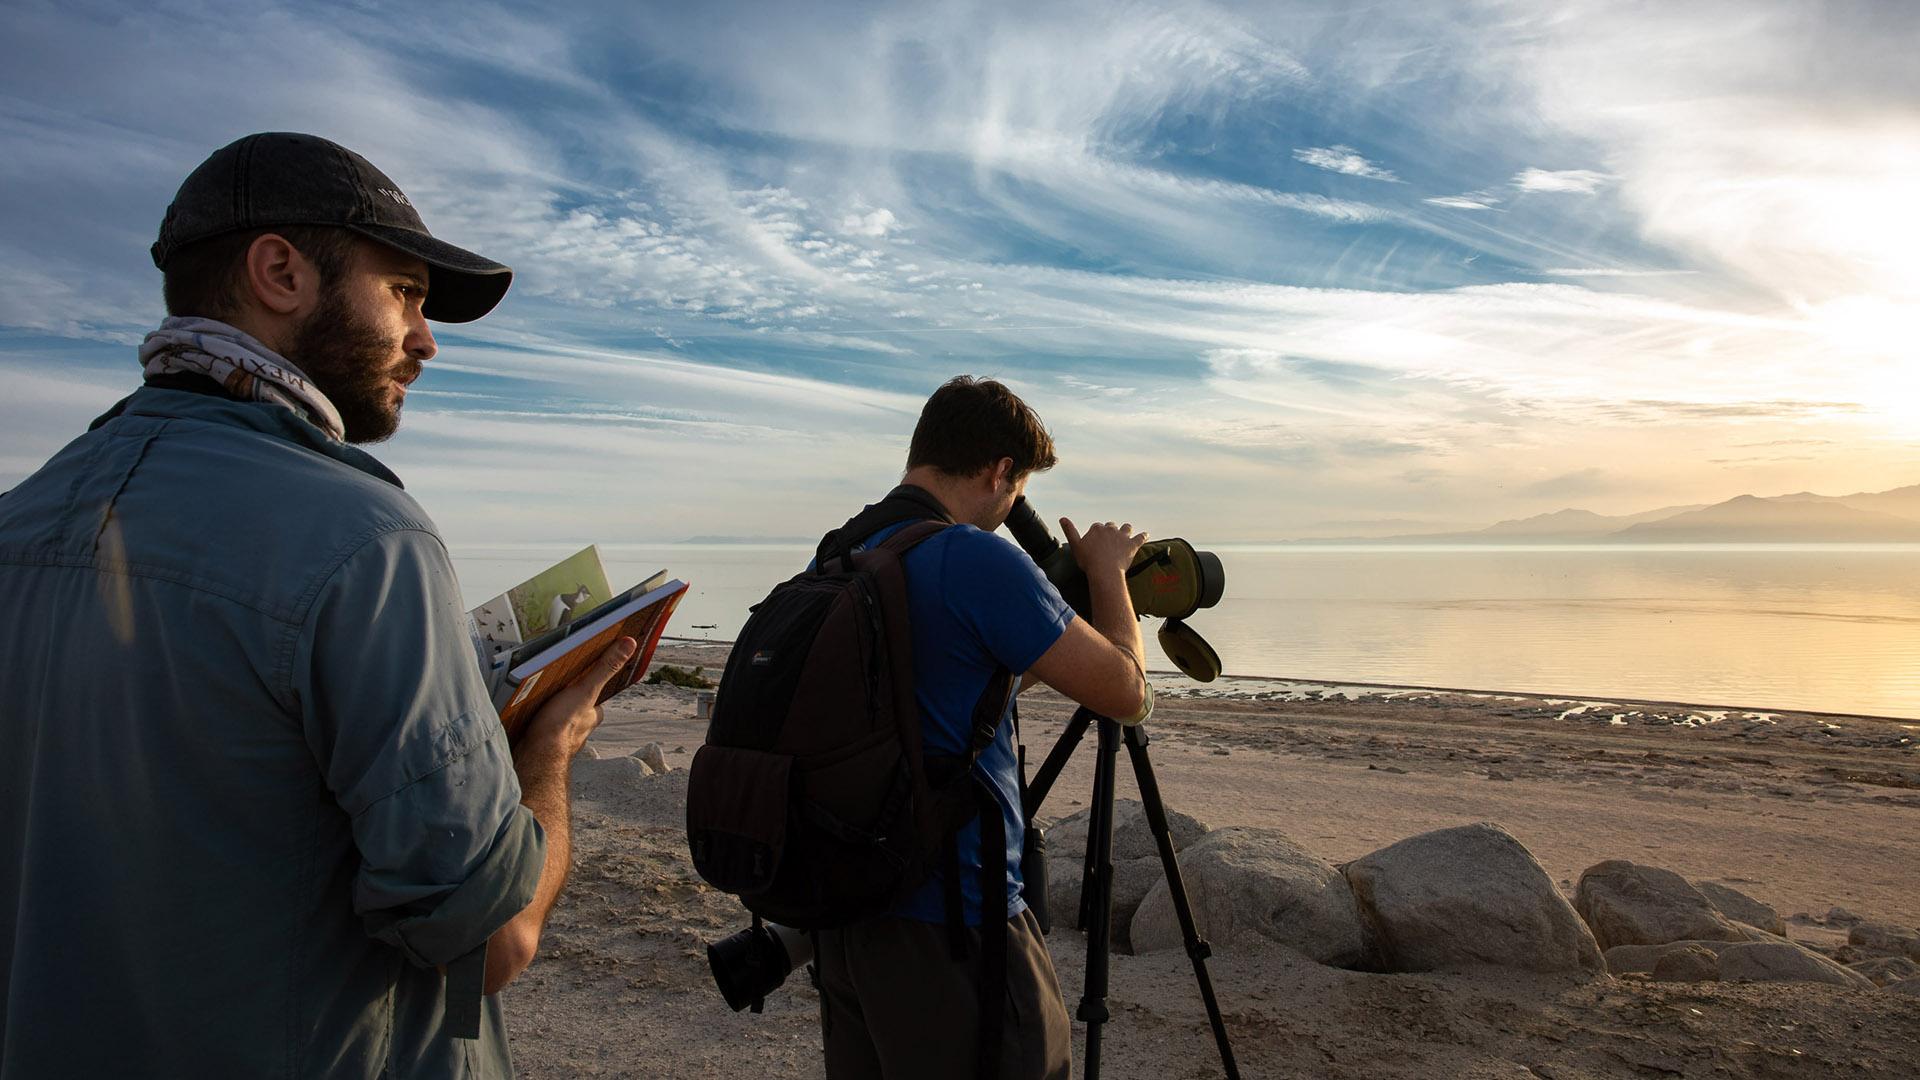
[257,814]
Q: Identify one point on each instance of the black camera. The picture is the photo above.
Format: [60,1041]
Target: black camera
[751,964]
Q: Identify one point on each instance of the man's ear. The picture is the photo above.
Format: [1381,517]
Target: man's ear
[278,279]
[1002,473]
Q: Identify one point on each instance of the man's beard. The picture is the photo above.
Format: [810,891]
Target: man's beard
[352,363]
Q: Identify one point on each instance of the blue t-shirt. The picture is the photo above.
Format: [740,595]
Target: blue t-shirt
[978,604]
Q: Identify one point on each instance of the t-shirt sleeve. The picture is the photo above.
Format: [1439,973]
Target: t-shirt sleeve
[400,722]
[998,592]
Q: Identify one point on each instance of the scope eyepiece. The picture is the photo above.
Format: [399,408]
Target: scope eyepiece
[1030,532]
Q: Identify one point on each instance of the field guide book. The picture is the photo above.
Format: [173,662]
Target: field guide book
[537,637]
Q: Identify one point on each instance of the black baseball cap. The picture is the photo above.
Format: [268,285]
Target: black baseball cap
[284,178]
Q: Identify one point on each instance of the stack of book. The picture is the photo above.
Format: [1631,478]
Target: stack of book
[537,637]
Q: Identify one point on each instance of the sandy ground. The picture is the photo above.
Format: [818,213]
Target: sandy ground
[1802,812]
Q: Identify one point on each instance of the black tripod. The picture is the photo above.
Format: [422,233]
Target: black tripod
[1096,882]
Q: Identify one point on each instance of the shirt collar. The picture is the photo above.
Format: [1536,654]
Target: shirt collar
[266,418]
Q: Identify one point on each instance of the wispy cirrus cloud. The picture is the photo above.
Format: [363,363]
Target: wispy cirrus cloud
[1561,181]
[1472,200]
[1345,160]
[1610,271]
[726,247]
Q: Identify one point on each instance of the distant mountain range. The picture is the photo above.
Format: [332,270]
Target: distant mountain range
[1879,517]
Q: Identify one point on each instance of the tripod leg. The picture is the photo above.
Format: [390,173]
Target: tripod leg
[1197,948]
[1099,819]
[1049,771]
[1093,1001]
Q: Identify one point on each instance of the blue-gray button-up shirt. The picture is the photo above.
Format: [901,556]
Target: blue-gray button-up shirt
[253,795]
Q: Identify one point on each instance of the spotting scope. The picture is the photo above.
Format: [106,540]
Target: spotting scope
[1169,579]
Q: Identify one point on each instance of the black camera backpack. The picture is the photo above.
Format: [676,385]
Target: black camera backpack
[812,799]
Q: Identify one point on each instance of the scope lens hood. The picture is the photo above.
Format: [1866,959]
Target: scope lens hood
[1213,577]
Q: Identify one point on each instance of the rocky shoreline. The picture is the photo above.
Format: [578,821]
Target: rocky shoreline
[1473,839]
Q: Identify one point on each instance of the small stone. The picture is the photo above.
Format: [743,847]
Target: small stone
[653,757]
[1687,963]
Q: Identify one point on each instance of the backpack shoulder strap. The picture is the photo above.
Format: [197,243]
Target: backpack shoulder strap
[908,502]
[906,539]
[987,713]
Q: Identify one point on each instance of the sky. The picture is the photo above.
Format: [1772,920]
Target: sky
[1266,270]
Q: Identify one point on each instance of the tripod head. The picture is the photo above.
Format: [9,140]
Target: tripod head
[1169,579]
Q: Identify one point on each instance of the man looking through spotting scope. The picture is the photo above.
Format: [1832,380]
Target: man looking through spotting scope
[258,816]
[896,1000]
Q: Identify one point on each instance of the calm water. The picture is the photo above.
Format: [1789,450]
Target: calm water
[1833,628]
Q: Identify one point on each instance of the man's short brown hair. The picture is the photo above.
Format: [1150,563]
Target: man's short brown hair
[969,424]
[207,278]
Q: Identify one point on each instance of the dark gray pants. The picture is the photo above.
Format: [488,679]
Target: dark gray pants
[894,1003]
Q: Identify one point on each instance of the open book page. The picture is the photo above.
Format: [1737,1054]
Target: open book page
[532,681]
[544,602]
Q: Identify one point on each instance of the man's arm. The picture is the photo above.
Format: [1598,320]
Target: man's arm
[1102,666]
[544,763]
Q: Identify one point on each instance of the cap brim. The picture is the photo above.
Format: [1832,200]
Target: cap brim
[461,286]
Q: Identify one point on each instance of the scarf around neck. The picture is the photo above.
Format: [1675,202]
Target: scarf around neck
[246,368]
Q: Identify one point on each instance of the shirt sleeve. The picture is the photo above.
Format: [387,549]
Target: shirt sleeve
[998,592]
[412,749]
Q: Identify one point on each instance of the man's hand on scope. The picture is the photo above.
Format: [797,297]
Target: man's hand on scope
[1105,548]
[1102,666]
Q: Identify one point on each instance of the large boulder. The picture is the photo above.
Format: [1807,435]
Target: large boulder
[1132,880]
[1467,897]
[1784,961]
[1132,837]
[1742,908]
[1245,880]
[1628,904]
[1879,937]
[1909,987]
